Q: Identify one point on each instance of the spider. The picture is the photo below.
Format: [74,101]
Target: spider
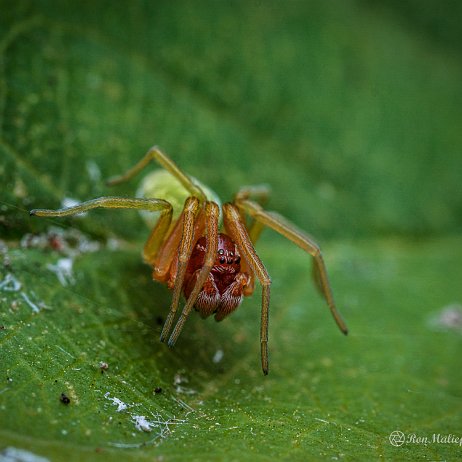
[187,251]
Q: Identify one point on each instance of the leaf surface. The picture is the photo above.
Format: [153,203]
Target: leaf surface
[351,115]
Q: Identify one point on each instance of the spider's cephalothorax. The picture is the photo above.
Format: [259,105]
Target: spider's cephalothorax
[223,289]
[214,270]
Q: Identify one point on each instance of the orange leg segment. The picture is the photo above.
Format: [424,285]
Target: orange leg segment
[238,232]
[212,214]
[189,214]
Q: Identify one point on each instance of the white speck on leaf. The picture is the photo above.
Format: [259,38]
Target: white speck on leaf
[178,381]
[10,284]
[218,356]
[103,365]
[12,454]
[448,318]
[141,423]
[63,271]
[93,171]
[34,307]
[121,406]
[69,242]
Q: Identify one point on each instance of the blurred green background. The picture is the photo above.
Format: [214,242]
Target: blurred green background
[350,110]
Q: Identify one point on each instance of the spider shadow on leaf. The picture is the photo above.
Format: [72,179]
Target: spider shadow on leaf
[138,306]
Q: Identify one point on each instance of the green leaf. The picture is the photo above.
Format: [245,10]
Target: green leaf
[350,114]
[326,395]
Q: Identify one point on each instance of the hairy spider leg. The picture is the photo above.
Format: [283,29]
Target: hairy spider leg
[156,237]
[188,218]
[155,154]
[236,229]
[212,214]
[111,202]
[291,232]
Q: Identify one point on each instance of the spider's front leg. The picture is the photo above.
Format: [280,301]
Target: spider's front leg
[188,217]
[151,205]
[238,233]
[211,217]
[298,237]
[158,233]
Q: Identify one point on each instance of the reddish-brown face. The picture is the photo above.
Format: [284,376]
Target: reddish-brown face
[228,259]
[222,293]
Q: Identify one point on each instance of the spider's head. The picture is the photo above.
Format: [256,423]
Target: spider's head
[228,258]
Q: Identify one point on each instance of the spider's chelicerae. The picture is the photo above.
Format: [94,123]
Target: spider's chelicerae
[214,269]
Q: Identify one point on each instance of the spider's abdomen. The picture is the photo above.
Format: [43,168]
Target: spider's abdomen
[223,290]
[161,183]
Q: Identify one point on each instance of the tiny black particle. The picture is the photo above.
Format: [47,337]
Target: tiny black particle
[157,390]
[64,398]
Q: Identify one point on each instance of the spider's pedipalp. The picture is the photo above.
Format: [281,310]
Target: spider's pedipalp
[157,235]
[298,237]
[212,214]
[238,232]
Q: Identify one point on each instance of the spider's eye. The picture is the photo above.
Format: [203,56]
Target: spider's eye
[221,252]
[222,260]
[238,260]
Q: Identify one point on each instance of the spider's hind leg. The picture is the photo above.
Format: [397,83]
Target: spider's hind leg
[259,193]
[155,154]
